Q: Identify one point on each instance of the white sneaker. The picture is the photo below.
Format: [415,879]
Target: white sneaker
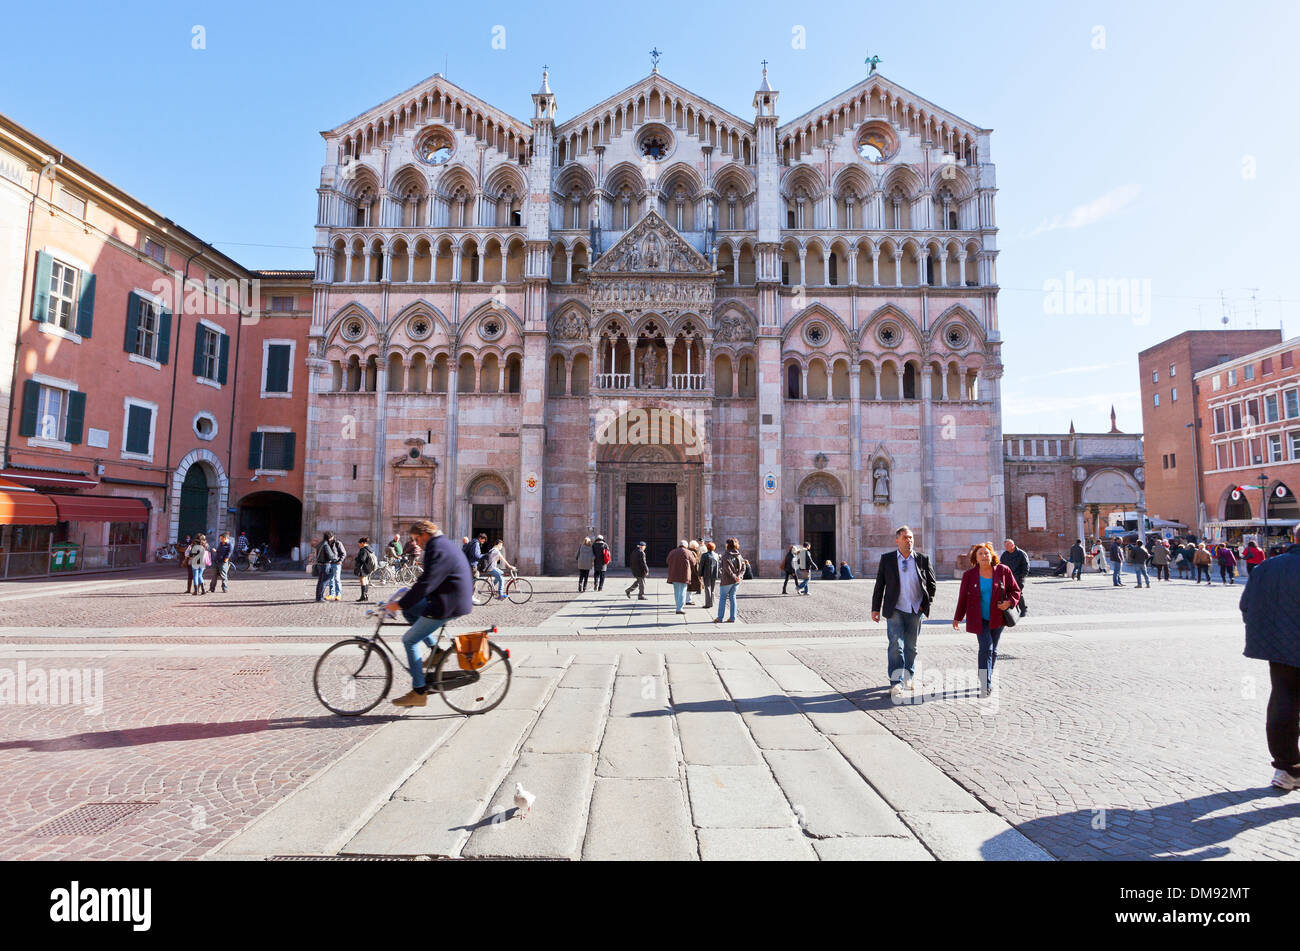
[896,690]
[1284,780]
[907,684]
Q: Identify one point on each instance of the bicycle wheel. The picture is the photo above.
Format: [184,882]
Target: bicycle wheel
[352,677]
[473,691]
[484,591]
[520,590]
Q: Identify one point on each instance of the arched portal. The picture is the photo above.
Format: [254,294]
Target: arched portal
[822,504]
[199,489]
[272,517]
[194,503]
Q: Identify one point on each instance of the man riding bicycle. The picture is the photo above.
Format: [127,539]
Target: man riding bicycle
[444,591]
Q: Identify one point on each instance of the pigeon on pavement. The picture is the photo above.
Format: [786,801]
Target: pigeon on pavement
[523,800]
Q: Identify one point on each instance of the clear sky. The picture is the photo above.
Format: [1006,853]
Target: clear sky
[1153,143]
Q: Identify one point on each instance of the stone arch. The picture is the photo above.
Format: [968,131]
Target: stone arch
[821,485]
[351,309]
[1110,487]
[218,491]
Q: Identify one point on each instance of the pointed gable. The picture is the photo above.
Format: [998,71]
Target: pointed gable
[647,89]
[653,246]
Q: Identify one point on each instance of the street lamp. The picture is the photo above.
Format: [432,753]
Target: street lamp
[1263,490]
[1196,483]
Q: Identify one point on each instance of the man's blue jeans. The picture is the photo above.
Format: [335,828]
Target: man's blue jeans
[1076,570]
[424,630]
[1118,569]
[224,568]
[727,595]
[332,584]
[1141,572]
[902,630]
[500,577]
[679,594]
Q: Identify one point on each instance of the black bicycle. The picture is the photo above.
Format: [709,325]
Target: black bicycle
[354,676]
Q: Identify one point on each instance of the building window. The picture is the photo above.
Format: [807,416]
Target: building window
[138,429]
[277,367]
[1275,448]
[63,295]
[1219,420]
[271,451]
[1173,369]
[1164,461]
[1036,511]
[1294,436]
[211,353]
[1270,408]
[1216,383]
[146,330]
[1232,377]
[52,414]
[1266,366]
[1249,371]
[72,204]
[281,304]
[1220,455]
[1155,397]
[1291,399]
[155,250]
[1173,395]
[53,410]
[1286,359]
[208,367]
[1173,461]
[1234,416]
[1155,376]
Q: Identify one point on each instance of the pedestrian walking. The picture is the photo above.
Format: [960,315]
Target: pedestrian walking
[1160,559]
[1253,556]
[731,570]
[1076,559]
[329,564]
[693,586]
[679,574]
[599,560]
[366,563]
[1117,563]
[710,562]
[221,561]
[904,588]
[987,590]
[495,561]
[1201,560]
[583,558]
[1017,563]
[1227,565]
[809,563]
[1138,557]
[640,570]
[197,557]
[183,559]
[788,569]
[444,591]
[1270,606]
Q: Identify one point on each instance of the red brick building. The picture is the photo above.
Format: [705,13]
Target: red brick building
[1169,409]
[1249,410]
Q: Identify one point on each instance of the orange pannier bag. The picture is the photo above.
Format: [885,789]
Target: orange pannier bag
[473,650]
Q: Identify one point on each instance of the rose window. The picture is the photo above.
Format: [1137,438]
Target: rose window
[889,335]
[353,329]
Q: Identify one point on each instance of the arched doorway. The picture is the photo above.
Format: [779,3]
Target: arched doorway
[1234,509]
[274,517]
[819,501]
[194,504]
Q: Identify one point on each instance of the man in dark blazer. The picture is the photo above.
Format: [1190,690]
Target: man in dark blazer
[444,590]
[904,588]
[1016,559]
[639,571]
[1270,606]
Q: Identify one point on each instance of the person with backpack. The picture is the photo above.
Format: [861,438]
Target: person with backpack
[710,563]
[196,555]
[221,561]
[366,563]
[329,564]
[640,570]
[1253,556]
[599,560]
[1227,565]
[584,559]
[731,570]
[473,549]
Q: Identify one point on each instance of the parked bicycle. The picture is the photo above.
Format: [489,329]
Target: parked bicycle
[384,575]
[354,676]
[166,553]
[518,590]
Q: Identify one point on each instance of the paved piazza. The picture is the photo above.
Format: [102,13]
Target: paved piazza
[1127,726]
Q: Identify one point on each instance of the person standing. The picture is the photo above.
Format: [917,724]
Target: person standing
[788,568]
[693,586]
[1227,565]
[1270,607]
[809,564]
[709,565]
[329,560]
[444,591]
[1201,559]
[679,574]
[640,569]
[904,588]
[599,561]
[366,562]
[196,556]
[731,570]
[221,561]
[1160,559]
[183,559]
[1017,563]
[584,563]
[1076,559]
[1138,556]
[1117,557]
[1253,556]
[987,589]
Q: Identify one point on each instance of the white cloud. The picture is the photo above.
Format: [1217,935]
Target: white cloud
[1093,211]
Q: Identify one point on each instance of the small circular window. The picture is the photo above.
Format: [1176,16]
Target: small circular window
[353,328]
[436,147]
[419,327]
[816,334]
[205,426]
[490,328]
[956,336]
[889,335]
[655,142]
[875,144]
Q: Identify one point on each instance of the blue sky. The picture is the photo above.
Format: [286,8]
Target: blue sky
[1143,142]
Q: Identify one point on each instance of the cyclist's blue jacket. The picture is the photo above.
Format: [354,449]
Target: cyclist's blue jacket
[445,584]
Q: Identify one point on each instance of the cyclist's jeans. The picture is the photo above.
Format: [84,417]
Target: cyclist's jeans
[500,577]
[332,585]
[424,630]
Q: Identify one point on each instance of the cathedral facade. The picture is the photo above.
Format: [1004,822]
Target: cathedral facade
[657,319]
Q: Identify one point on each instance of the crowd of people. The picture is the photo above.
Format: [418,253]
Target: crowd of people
[1186,556]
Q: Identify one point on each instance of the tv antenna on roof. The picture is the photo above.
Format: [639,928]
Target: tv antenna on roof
[1224,305]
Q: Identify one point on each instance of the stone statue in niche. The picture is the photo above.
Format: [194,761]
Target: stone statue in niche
[650,368]
[880,482]
[651,255]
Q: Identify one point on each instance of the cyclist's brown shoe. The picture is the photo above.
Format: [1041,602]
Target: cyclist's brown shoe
[411,699]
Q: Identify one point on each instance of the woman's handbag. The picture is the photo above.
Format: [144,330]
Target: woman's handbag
[207,558]
[1009,617]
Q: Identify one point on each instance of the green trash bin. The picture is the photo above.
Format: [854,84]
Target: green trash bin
[63,556]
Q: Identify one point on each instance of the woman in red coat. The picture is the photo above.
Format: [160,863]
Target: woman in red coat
[987,590]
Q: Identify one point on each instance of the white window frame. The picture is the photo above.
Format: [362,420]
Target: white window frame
[1294,439]
[67,193]
[1173,370]
[127,403]
[1173,395]
[1155,376]
[156,301]
[1248,372]
[1216,383]
[266,358]
[145,242]
[1289,398]
[1273,441]
[58,384]
[216,357]
[1232,377]
[73,300]
[194,425]
[1155,399]
[1276,414]
[272,429]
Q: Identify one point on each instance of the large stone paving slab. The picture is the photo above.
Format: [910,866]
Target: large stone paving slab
[639,820]
[639,748]
[737,797]
[829,797]
[755,845]
[562,783]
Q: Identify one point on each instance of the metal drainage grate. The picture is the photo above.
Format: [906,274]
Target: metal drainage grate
[90,818]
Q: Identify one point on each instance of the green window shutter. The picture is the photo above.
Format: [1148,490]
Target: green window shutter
[277,369]
[86,306]
[137,429]
[132,321]
[290,441]
[200,332]
[31,406]
[223,354]
[41,305]
[164,336]
[76,417]
[255,451]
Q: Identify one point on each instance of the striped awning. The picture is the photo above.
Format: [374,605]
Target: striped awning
[20,505]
